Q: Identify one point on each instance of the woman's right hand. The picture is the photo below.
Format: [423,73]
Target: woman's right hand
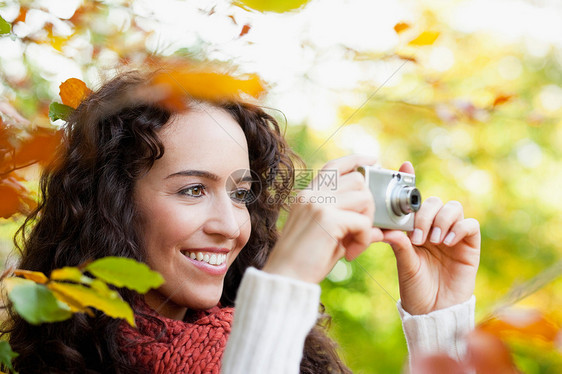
[326,224]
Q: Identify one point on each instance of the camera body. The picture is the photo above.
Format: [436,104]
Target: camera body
[396,197]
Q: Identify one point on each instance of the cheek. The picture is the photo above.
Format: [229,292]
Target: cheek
[165,224]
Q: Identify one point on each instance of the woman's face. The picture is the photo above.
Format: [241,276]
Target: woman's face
[195,221]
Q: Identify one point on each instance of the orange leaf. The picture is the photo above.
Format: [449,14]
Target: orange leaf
[176,87]
[501,99]
[9,201]
[40,147]
[21,16]
[245,30]
[425,38]
[401,26]
[35,276]
[14,197]
[73,91]
[523,323]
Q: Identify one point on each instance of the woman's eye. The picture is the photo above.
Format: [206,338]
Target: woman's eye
[241,195]
[193,191]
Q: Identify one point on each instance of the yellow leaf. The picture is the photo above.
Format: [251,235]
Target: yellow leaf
[74,305]
[111,304]
[279,6]
[425,38]
[73,91]
[35,276]
[67,273]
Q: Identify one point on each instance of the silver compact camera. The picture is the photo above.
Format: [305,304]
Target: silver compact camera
[396,197]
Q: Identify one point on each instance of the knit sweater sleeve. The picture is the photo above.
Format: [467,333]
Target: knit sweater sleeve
[441,331]
[273,316]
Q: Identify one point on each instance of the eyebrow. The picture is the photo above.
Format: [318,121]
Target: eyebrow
[207,174]
[195,173]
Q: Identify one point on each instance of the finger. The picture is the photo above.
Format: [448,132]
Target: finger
[407,167]
[349,163]
[402,248]
[468,230]
[352,181]
[359,234]
[353,249]
[424,219]
[448,215]
[357,201]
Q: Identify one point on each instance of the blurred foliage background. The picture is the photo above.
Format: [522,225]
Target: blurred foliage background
[469,91]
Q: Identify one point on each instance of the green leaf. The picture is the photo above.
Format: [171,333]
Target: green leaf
[5,27]
[59,111]
[36,303]
[279,6]
[108,302]
[125,272]
[7,355]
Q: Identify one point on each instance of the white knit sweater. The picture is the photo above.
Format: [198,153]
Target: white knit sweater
[274,315]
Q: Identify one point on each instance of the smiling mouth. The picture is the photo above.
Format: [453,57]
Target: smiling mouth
[209,258]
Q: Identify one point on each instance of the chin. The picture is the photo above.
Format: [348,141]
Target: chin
[202,303]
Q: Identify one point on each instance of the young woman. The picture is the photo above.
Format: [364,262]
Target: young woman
[194,195]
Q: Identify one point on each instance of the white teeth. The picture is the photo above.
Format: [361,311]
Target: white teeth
[212,259]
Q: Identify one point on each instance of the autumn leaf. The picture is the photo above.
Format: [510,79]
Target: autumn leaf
[501,99]
[72,274]
[39,147]
[14,196]
[522,323]
[425,38]
[35,276]
[278,6]
[245,30]
[36,303]
[401,26]
[73,91]
[84,297]
[9,201]
[175,87]
[125,272]
[5,27]
[22,15]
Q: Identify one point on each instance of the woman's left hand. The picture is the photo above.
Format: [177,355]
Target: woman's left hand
[437,262]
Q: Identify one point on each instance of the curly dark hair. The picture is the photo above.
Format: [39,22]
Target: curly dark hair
[87,211]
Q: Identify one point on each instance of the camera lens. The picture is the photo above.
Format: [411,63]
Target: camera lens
[406,200]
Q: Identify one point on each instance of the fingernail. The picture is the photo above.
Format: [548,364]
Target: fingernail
[449,239]
[435,235]
[417,236]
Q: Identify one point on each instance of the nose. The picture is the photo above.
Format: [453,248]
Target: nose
[224,218]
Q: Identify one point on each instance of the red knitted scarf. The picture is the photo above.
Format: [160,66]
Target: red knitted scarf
[184,347]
